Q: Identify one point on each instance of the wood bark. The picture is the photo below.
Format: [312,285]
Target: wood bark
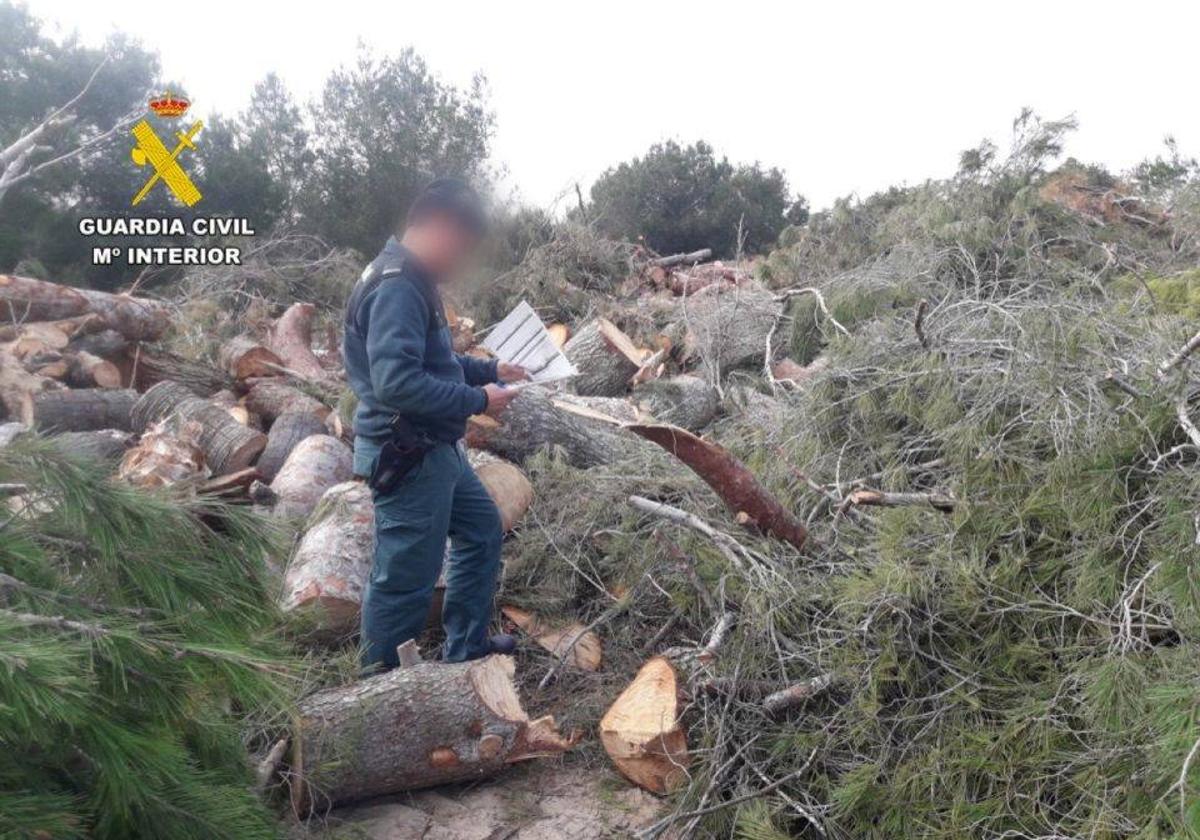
[270,399]
[150,366]
[317,463]
[83,410]
[641,731]
[509,488]
[685,401]
[106,445]
[228,445]
[731,480]
[533,422]
[291,338]
[325,578]
[166,454]
[286,432]
[26,299]
[605,357]
[428,724]
[727,327]
[243,358]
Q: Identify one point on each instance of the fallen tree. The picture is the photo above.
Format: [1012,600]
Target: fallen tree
[413,727]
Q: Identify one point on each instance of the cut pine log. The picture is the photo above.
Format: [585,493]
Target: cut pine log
[580,646]
[317,463]
[270,399]
[19,388]
[286,432]
[106,445]
[244,358]
[325,577]
[730,478]
[605,357]
[727,327]
[641,731]
[691,258]
[533,422]
[228,445]
[24,299]
[291,339]
[80,325]
[685,401]
[83,410]
[88,371]
[166,454]
[506,484]
[415,727]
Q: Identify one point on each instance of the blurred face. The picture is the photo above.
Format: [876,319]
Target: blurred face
[444,246]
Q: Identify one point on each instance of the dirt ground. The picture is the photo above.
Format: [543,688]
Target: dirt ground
[541,800]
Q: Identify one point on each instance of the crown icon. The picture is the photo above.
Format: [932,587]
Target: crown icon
[169,106]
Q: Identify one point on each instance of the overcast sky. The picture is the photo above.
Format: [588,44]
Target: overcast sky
[845,97]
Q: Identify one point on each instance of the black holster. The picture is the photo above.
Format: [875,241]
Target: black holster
[399,456]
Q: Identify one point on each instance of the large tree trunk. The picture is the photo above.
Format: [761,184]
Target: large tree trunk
[26,299]
[228,445]
[316,464]
[270,399]
[533,421]
[605,357]
[413,727]
[291,338]
[328,571]
[244,358]
[685,401]
[727,327]
[83,410]
[286,432]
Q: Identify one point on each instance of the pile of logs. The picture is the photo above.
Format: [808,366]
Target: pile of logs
[258,427]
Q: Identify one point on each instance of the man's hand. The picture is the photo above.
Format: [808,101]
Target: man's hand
[510,373]
[498,399]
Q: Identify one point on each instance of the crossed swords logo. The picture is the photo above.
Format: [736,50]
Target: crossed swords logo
[150,149]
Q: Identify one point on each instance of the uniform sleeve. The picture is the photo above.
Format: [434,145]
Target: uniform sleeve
[396,351]
[476,370]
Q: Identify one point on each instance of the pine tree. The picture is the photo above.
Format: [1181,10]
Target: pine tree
[138,661]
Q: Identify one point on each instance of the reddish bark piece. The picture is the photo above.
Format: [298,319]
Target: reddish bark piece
[730,478]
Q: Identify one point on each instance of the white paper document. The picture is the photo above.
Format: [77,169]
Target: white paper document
[522,339]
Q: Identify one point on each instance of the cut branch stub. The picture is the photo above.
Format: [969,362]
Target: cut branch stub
[641,731]
[729,478]
[415,727]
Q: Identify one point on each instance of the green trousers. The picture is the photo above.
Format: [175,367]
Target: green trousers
[440,498]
